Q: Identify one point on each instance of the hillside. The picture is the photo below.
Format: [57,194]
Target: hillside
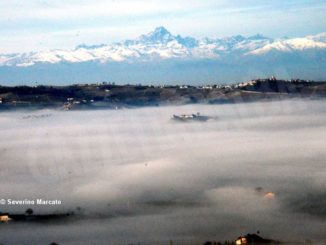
[104,95]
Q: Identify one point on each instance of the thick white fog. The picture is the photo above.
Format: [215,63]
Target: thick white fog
[138,176]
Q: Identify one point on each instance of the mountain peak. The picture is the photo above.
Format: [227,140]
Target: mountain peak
[160,34]
[85,46]
[258,36]
[161,30]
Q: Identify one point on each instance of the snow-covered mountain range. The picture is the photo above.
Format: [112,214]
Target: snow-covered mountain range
[160,44]
[160,57]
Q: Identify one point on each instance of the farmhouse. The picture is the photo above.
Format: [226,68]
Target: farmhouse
[4,217]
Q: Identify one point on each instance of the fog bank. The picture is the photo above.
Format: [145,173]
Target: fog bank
[136,175]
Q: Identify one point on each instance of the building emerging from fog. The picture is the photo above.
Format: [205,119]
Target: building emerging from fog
[4,217]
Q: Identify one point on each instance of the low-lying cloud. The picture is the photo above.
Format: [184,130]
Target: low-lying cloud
[136,175]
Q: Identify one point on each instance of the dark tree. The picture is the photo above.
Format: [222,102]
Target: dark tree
[29,211]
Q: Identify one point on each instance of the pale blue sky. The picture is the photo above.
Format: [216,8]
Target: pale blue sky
[48,24]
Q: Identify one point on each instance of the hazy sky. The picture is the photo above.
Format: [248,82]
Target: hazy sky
[42,24]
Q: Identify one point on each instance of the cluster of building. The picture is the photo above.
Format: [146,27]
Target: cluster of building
[71,102]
